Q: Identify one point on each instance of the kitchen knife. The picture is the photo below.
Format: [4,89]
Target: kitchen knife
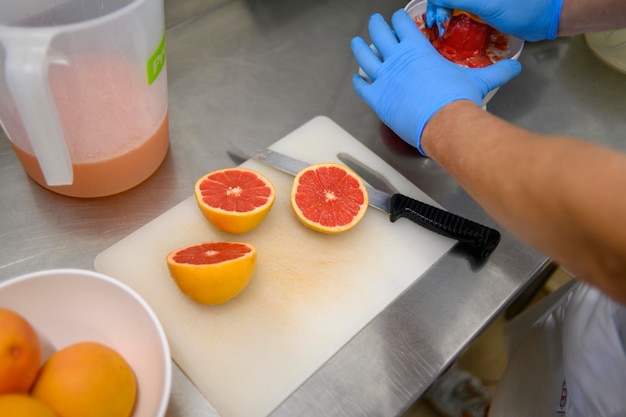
[477,239]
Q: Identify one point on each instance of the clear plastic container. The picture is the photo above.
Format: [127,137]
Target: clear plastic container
[83,92]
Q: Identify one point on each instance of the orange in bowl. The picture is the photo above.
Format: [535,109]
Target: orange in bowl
[67,306]
[87,379]
[329,197]
[20,353]
[23,405]
[235,200]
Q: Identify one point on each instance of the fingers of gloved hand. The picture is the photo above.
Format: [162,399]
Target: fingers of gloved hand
[406,28]
[472,6]
[531,20]
[453,4]
[436,15]
[498,74]
[365,56]
[361,87]
[429,15]
[554,17]
[442,17]
[382,35]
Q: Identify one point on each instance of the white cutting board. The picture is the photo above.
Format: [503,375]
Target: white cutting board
[310,294]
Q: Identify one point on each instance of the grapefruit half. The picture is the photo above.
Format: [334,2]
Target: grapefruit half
[235,200]
[329,197]
[212,272]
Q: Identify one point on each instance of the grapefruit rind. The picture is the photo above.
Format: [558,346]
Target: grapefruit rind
[213,283]
[233,221]
[357,208]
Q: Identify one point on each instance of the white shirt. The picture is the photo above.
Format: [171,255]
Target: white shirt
[567,357]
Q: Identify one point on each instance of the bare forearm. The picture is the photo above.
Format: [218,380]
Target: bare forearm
[580,16]
[562,195]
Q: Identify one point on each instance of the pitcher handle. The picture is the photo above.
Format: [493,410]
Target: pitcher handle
[26,68]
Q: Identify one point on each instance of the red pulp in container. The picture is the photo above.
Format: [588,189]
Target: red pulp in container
[466,41]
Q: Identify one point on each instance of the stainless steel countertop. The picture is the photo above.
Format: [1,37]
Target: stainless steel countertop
[260,69]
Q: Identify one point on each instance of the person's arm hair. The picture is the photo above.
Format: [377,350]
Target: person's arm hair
[562,195]
[580,16]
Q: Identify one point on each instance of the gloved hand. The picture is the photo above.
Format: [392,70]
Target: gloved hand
[437,16]
[411,81]
[531,20]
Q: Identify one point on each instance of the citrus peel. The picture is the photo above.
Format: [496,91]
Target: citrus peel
[212,272]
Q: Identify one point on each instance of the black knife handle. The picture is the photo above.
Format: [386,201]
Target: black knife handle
[479,240]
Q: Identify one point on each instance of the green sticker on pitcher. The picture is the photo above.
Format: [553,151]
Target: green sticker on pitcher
[156,61]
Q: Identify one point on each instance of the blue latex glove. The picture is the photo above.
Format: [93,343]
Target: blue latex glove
[437,16]
[531,20]
[413,81]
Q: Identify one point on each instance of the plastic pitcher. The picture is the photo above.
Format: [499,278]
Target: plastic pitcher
[83,91]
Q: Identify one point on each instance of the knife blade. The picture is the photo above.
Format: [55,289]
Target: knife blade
[478,240]
[367,174]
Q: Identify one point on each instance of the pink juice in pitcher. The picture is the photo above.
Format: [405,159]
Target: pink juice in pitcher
[116,131]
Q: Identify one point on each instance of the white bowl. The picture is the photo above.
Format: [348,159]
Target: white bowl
[416,8]
[67,306]
[609,47]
